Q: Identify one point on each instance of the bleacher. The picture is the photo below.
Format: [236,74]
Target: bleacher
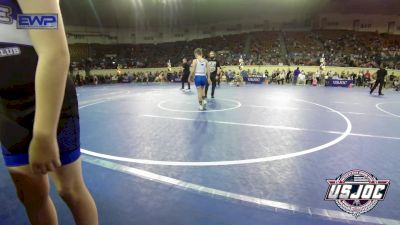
[340,48]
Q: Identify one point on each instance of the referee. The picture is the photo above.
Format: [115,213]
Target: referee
[380,79]
[185,75]
[215,70]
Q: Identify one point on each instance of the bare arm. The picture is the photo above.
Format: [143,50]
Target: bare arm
[192,69]
[50,80]
[52,69]
[208,73]
[219,71]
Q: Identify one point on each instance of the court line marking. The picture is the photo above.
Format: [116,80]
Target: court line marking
[94,103]
[271,126]
[238,105]
[234,162]
[185,185]
[356,113]
[277,107]
[101,100]
[272,205]
[375,136]
[384,111]
[227,122]
[348,103]
[308,109]
[110,93]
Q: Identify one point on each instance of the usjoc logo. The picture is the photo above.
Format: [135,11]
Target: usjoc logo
[37,21]
[356,192]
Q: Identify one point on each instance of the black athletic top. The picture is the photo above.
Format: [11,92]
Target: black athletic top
[18,61]
[214,64]
[186,69]
[381,74]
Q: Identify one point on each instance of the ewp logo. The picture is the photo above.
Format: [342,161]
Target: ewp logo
[37,21]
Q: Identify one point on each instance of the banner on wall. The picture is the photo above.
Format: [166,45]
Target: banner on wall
[176,80]
[338,83]
[254,79]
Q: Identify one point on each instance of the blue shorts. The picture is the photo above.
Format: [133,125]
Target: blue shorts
[67,137]
[200,81]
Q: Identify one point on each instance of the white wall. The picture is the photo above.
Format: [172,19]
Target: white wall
[132,36]
[345,22]
[163,34]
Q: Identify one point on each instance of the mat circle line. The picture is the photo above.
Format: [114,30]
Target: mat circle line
[378,106]
[238,105]
[233,162]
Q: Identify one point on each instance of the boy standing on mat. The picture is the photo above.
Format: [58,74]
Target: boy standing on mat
[200,71]
[39,120]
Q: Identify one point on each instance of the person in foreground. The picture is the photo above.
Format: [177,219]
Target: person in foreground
[39,120]
[200,71]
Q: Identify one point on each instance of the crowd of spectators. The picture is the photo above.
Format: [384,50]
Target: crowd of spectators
[128,77]
[154,55]
[229,47]
[343,48]
[340,48]
[265,49]
[360,49]
[303,48]
[362,78]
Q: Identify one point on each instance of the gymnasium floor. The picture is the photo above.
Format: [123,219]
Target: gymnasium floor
[259,155]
